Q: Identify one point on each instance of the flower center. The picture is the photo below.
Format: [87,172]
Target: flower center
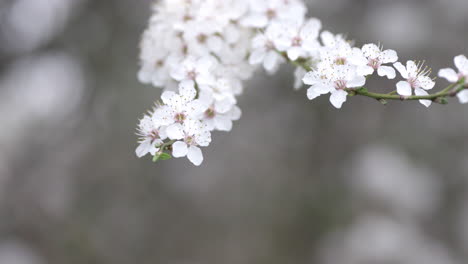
[413,83]
[189,140]
[271,13]
[340,61]
[340,85]
[296,41]
[269,45]
[210,113]
[202,38]
[154,135]
[192,75]
[374,63]
[180,118]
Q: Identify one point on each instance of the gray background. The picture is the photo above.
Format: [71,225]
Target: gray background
[294,182]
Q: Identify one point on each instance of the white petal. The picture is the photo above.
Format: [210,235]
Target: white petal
[257,56]
[461,62]
[223,123]
[386,71]
[449,74]
[357,58]
[144,75]
[463,96]
[294,53]
[215,43]
[337,98]
[322,89]
[389,56]
[235,113]
[365,70]
[357,81]
[311,29]
[179,149]
[195,155]
[401,69]
[175,131]
[371,51]
[404,88]
[310,78]
[271,61]
[224,106]
[166,96]
[312,94]
[143,148]
[421,92]
[412,69]
[425,82]
[187,90]
[178,73]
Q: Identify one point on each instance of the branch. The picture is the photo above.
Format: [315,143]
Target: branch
[439,97]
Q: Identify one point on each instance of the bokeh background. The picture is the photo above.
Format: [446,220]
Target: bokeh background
[294,182]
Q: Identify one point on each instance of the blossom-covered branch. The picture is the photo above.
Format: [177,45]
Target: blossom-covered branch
[458,87]
[200,52]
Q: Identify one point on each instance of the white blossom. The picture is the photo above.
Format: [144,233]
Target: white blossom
[461,62]
[416,78]
[335,81]
[263,12]
[219,114]
[151,136]
[197,70]
[192,135]
[376,58]
[339,52]
[264,51]
[298,39]
[178,107]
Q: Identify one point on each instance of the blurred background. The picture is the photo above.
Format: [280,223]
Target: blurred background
[294,182]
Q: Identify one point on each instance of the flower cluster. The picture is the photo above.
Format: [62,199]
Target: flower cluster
[201,51]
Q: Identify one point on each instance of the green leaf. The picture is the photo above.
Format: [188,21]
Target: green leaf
[161,156]
[165,156]
[156,157]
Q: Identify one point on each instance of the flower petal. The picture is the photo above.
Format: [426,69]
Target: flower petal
[312,94]
[421,92]
[294,53]
[371,51]
[412,69]
[143,148]
[386,71]
[401,69]
[271,61]
[357,81]
[337,98]
[257,56]
[461,62]
[179,149]
[389,56]
[426,83]
[310,78]
[463,96]
[175,131]
[223,123]
[403,88]
[449,74]
[195,155]
[365,70]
